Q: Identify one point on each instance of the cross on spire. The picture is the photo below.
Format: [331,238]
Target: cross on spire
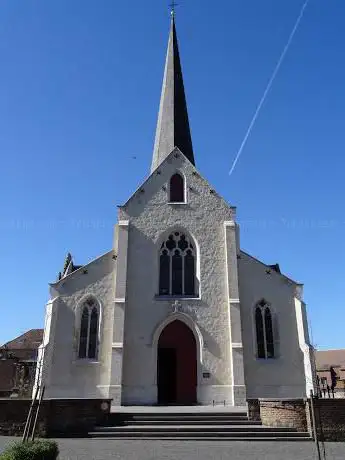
[173,5]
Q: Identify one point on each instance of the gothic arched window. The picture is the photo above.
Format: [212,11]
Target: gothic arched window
[176,189]
[177,264]
[88,337]
[264,331]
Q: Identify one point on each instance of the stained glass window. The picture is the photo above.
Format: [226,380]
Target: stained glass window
[177,266]
[177,273]
[269,333]
[164,273]
[189,274]
[93,334]
[260,333]
[88,340]
[84,326]
[264,331]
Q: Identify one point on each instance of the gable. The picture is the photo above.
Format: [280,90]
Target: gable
[85,276]
[155,190]
[253,269]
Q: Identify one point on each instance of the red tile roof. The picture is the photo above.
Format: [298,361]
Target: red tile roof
[29,340]
[327,358]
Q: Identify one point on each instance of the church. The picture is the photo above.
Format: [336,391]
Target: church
[175,313]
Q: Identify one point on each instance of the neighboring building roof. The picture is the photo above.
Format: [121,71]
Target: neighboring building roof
[330,358]
[30,340]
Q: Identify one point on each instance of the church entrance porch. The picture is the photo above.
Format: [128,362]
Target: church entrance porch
[177,365]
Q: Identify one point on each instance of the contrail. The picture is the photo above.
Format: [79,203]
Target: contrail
[269,85]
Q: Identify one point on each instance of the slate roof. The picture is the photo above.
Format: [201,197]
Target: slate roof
[173,128]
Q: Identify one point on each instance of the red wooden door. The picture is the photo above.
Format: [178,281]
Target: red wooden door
[182,388]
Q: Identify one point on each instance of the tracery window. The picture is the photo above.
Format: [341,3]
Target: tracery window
[88,339]
[264,331]
[177,193]
[177,266]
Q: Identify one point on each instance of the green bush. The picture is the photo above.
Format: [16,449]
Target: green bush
[37,450]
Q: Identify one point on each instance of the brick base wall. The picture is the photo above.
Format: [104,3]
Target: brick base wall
[284,413]
[69,417]
[254,409]
[57,417]
[330,419]
[13,413]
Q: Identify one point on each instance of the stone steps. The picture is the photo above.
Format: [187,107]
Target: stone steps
[184,434]
[205,438]
[192,426]
[115,419]
[194,422]
[191,416]
[191,429]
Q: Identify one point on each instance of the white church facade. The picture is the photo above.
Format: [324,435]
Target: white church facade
[175,312]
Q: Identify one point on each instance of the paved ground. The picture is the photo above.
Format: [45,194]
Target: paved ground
[90,449]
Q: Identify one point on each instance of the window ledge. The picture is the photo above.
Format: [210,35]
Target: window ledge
[85,362]
[176,297]
[178,202]
[266,360]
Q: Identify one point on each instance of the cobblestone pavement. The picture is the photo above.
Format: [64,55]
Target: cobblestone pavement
[91,449]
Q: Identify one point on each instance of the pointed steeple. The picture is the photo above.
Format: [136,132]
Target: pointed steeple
[173,124]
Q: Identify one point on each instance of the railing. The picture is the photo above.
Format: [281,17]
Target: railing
[325,391]
[217,403]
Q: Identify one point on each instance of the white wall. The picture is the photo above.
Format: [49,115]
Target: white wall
[283,376]
[132,316]
[65,376]
[149,217]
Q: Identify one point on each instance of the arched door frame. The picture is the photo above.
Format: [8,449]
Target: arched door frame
[188,321]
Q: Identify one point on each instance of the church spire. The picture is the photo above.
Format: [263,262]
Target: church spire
[173,124]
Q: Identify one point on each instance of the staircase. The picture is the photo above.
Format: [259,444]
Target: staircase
[227,426]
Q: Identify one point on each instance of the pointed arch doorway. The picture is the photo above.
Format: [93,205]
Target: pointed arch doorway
[177,365]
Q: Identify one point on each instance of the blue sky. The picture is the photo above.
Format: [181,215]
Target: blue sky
[79,92]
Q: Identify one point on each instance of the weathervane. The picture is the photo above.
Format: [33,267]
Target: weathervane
[173,5]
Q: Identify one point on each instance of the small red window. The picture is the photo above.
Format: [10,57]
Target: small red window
[176,189]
